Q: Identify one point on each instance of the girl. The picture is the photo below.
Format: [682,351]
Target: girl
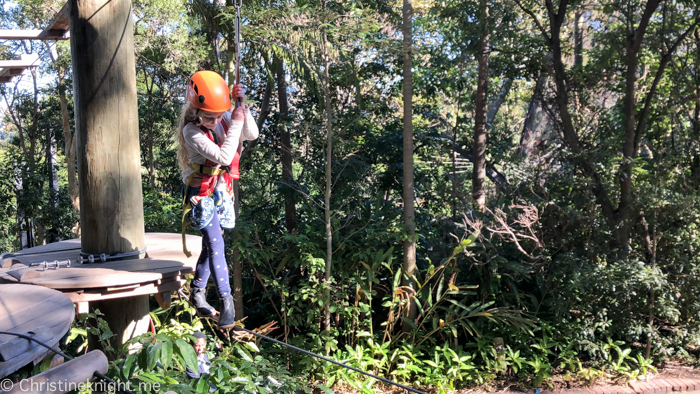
[210,136]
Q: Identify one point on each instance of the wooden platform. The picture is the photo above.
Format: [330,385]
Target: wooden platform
[31,310]
[159,273]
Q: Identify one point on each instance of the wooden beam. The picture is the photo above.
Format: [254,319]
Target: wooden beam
[143,290]
[9,262]
[163,299]
[60,21]
[33,34]
[65,377]
[24,61]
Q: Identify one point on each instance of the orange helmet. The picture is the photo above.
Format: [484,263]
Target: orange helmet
[209,92]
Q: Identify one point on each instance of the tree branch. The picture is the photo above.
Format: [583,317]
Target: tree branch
[535,20]
[638,35]
[492,173]
[562,9]
[641,126]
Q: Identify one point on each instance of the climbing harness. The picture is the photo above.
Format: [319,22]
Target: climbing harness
[96,374]
[412,390]
[213,181]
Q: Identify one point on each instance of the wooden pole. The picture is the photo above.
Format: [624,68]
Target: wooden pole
[127,318]
[107,131]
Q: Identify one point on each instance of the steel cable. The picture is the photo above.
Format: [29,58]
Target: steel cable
[412,390]
[60,353]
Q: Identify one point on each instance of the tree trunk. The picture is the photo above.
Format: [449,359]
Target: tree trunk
[358,85]
[236,263]
[327,194]
[262,117]
[578,40]
[106,118]
[479,172]
[630,109]
[566,122]
[33,130]
[70,149]
[634,42]
[25,240]
[498,102]
[52,174]
[286,154]
[536,121]
[149,137]
[409,244]
[265,106]
[455,180]
[695,164]
[69,139]
[17,120]
[24,224]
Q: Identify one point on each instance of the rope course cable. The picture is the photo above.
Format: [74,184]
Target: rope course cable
[91,258]
[46,265]
[108,380]
[84,258]
[67,357]
[409,389]
[238,4]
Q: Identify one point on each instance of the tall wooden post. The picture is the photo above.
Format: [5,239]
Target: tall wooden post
[106,122]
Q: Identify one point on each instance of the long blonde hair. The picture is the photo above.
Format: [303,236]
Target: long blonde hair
[187,114]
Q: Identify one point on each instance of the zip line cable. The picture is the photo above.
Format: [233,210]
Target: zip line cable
[238,4]
[409,389]
[60,353]
[108,380]
[412,390]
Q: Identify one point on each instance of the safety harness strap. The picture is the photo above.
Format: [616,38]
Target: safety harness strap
[186,207]
[212,173]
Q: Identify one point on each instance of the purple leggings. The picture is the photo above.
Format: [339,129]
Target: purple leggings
[212,259]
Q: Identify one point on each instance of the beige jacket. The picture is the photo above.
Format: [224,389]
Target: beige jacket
[200,147]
